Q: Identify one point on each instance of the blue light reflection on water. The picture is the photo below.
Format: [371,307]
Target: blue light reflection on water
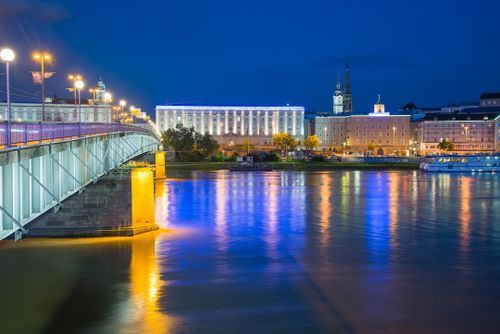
[294,252]
[394,230]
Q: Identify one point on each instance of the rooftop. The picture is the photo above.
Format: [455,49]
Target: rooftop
[487,96]
[475,116]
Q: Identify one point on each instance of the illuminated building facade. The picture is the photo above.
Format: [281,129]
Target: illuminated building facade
[57,112]
[378,132]
[234,125]
[497,134]
[470,132]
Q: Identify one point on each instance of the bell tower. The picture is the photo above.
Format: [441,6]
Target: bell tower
[338,104]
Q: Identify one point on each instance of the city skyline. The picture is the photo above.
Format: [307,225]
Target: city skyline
[272,54]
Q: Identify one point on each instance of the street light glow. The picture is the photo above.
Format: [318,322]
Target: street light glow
[7,55]
[108,97]
[79,84]
[38,56]
[123,103]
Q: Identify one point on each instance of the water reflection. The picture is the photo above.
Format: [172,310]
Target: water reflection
[465,214]
[162,204]
[221,202]
[145,315]
[394,200]
[325,209]
[279,252]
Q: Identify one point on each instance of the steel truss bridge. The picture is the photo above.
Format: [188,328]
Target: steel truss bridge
[47,163]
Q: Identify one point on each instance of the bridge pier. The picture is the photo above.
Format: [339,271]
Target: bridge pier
[110,207]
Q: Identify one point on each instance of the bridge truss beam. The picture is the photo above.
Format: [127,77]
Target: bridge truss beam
[36,179]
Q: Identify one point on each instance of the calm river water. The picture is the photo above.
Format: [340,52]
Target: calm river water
[278,252]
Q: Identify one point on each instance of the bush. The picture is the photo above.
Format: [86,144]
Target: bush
[193,157]
[318,158]
[218,157]
[271,157]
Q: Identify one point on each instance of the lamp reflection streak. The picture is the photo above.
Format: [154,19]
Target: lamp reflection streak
[221,211]
[162,202]
[325,210]
[465,213]
[145,287]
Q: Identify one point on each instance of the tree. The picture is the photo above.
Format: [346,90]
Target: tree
[446,145]
[311,142]
[188,143]
[181,139]
[205,144]
[284,142]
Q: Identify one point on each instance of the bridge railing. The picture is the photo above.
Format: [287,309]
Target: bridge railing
[29,133]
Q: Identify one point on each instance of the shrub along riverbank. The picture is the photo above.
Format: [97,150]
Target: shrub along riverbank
[294,165]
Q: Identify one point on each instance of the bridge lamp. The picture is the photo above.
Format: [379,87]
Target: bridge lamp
[7,56]
[122,104]
[108,97]
[42,57]
[79,84]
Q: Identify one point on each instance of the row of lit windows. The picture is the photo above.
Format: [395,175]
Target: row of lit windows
[445,124]
[388,134]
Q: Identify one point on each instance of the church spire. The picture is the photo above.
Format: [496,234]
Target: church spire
[347,90]
[347,79]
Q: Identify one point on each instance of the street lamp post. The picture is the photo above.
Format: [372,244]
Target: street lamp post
[107,99]
[41,58]
[7,56]
[123,103]
[324,139]
[79,86]
[93,91]
[74,78]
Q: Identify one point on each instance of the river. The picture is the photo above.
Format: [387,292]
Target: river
[277,252]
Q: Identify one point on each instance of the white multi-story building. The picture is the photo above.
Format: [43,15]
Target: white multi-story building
[233,125]
[67,113]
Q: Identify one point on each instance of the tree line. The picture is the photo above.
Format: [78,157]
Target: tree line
[190,145]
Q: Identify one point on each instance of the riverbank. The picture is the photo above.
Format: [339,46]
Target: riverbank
[301,166]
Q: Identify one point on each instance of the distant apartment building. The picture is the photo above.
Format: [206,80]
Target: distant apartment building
[378,132]
[331,131]
[497,133]
[235,125]
[60,112]
[489,100]
[470,132]
[96,110]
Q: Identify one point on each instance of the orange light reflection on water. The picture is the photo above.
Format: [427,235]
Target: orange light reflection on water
[145,315]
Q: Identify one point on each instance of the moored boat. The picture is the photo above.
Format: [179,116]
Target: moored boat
[466,163]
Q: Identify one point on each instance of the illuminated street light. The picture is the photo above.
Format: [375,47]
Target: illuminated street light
[93,91]
[79,84]
[7,56]
[123,103]
[42,57]
[108,97]
[74,78]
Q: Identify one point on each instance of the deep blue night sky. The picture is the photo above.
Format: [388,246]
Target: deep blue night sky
[262,52]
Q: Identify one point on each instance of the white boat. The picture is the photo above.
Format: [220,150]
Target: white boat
[456,163]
